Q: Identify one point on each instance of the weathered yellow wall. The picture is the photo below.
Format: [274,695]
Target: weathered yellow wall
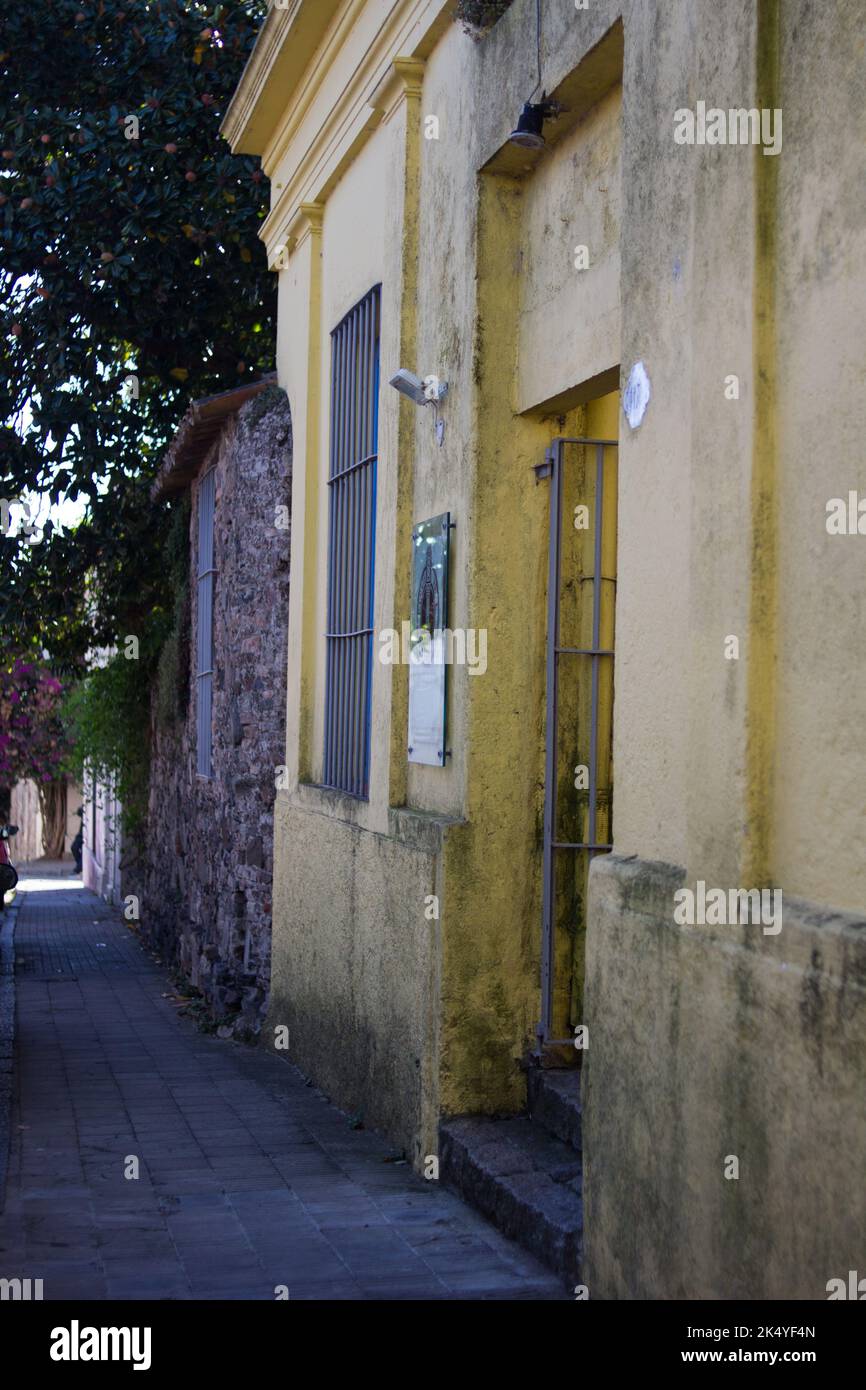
[477,264]
[819,810]
[705,262]
[523,356]
[706,1045]
[690,285]
[709,1042]
[356,966]
[338,969]
[569,317]
[479,284]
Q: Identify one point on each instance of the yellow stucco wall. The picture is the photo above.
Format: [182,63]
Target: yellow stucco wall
[819,810]
[477,265]
[702,264]
[709,1043]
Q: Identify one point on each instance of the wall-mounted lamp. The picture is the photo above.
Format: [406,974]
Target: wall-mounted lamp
[528,131]
[428,390]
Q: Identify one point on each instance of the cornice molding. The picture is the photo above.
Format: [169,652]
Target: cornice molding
[333,151]
[404,79]
[291,61]
[306,221]
[285,44]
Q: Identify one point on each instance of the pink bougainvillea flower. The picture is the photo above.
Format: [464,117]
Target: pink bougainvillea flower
[32,742]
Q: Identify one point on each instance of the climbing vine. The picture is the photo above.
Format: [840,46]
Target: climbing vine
[132,280]
[108,714]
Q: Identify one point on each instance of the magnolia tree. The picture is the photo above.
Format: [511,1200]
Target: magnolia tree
[32,743]
[132,281]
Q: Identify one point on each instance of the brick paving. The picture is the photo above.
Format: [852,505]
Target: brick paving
[249,1178]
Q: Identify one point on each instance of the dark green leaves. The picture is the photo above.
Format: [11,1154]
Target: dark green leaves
[117,256]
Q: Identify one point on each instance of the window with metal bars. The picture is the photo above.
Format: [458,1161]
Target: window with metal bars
[351,543]
[204,625]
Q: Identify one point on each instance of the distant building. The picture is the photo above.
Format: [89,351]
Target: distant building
[102,839]
[26,813]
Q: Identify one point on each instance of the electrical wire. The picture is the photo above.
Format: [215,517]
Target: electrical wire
[537,46]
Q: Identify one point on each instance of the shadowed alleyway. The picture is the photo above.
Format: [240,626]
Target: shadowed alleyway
[249,1179]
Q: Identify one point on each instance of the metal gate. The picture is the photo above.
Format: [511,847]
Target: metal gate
[557,842]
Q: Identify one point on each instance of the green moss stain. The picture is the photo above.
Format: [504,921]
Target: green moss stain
[763,605]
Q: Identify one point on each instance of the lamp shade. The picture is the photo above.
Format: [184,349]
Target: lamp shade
[529,127]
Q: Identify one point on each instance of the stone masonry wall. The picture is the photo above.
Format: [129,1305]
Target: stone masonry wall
[206,887]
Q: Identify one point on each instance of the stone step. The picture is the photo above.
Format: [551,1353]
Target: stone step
[554,1103]
[523,1180]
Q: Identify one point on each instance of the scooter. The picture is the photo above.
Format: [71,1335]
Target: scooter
[8,875]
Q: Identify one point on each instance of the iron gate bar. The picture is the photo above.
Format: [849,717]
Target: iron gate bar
[577,844]
[553,457]
[596,638]
[553,468]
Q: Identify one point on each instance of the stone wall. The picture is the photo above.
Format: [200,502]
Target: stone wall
[205,883]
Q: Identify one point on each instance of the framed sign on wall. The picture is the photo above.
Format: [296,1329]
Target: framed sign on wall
[427,641]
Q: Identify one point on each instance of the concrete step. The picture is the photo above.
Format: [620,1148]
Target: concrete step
[523,1180]
[554,1103]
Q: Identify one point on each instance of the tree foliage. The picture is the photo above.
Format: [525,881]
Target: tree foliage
[107,716]
[129,250]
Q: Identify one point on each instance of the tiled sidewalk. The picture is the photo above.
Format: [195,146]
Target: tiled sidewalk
[249,1178]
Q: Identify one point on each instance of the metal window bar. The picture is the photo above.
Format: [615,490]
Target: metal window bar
[553,468]
[354,419]
[204,624]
